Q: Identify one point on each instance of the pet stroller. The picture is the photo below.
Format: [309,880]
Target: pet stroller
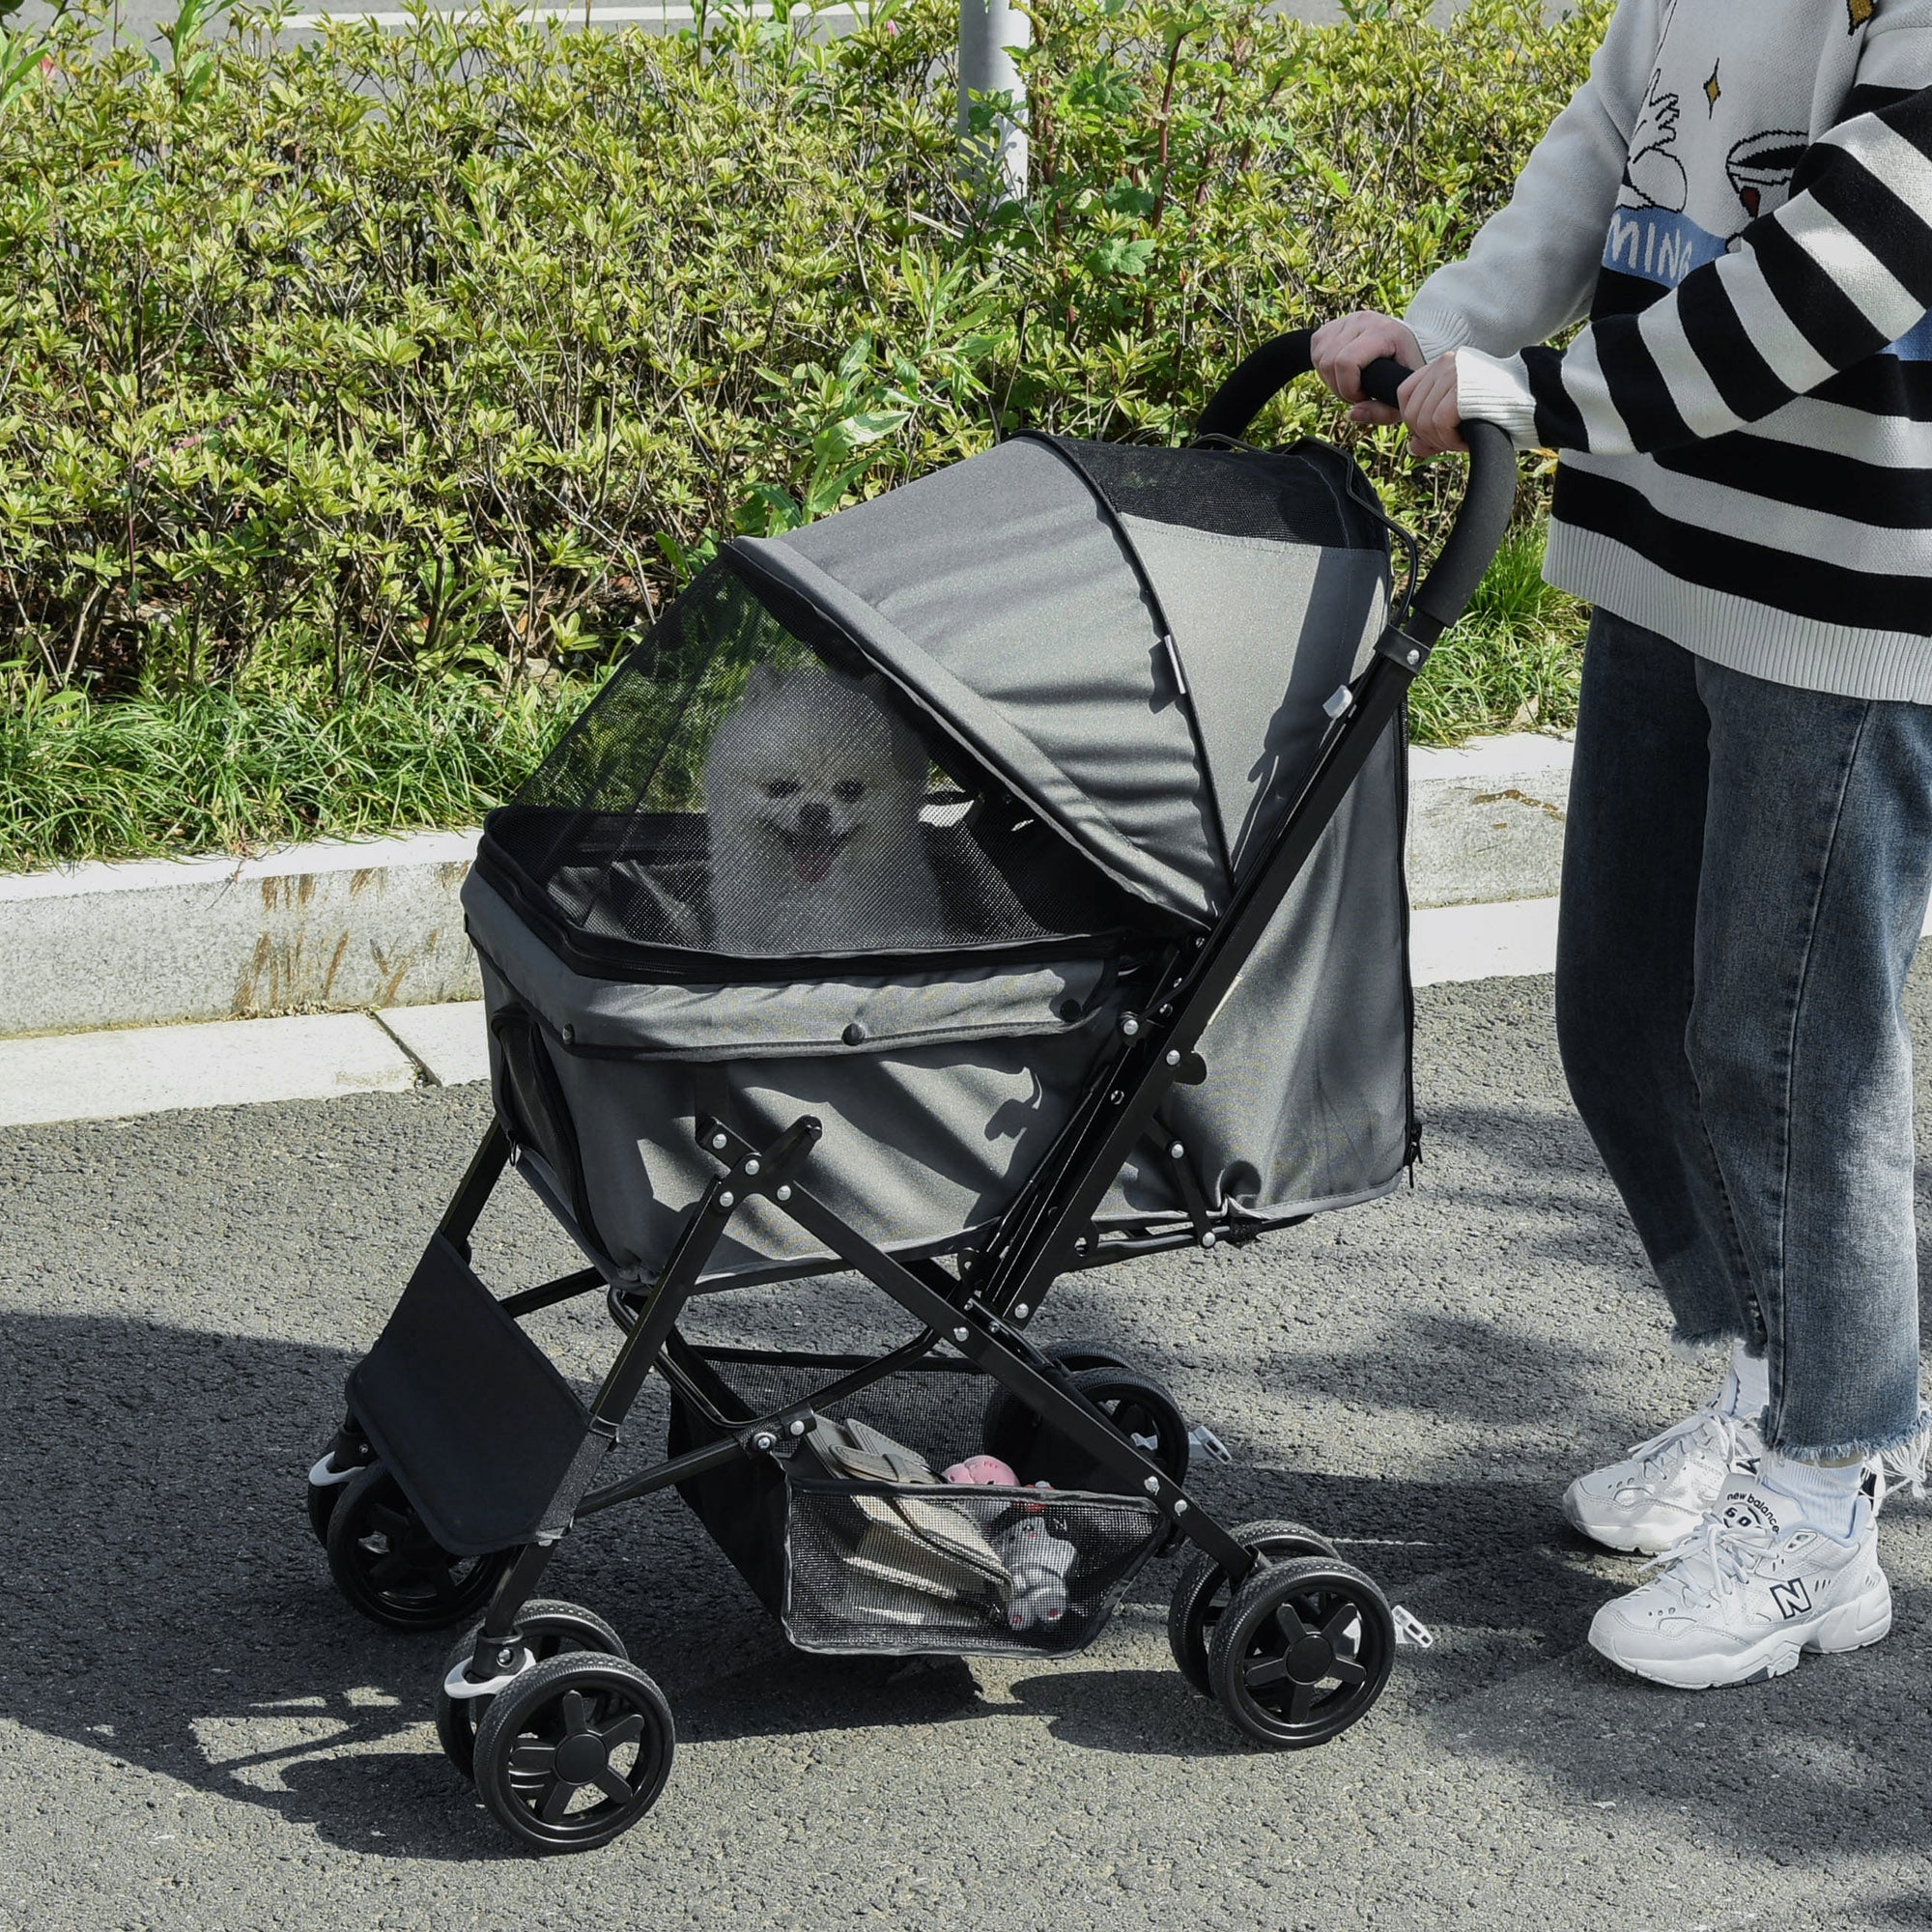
[999,878]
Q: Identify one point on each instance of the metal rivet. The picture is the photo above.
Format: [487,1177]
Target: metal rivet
[763,1441]
[1152,1485]
[1207,1239]
[959,1334]
[751,1165]
[1080,1246]
[727,1199]
[1130,1026]
[1181,1505]
[1115,1098]
[785,1192]
[1416,657]
[854,1035]
[1022,1311]
[1174,1149]
[507,1656]
[570,1035]
[797,1428]
[1173,1056]
[719,1143]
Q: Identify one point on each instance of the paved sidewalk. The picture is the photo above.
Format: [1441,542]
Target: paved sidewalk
[197,1736]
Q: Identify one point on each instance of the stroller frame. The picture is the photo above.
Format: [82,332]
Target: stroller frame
[973,1318]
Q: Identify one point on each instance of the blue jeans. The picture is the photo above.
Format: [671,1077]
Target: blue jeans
[1744,875]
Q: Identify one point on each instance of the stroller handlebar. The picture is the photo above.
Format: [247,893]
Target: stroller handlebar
[1489,497]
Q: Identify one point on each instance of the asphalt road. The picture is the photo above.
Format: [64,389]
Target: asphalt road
[197,1733]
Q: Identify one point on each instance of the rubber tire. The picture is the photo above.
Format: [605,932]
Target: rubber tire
[1008,1419]
[550,1627]
[1037,1452]
[536,1698]
[1201,1596]
[1323,1591]
[472,1579]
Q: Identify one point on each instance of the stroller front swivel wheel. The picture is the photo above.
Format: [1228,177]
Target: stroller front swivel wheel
[387,1565]
[574,1751]
[1201,1596]
[1303,1652]
[549,1628]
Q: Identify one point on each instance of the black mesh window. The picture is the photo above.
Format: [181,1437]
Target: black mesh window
[739,793]
[1311,493]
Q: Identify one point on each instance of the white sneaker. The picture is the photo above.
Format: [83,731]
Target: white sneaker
[1745,1594]
[1665,1487]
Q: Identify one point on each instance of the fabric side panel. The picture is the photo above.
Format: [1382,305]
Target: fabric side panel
[1265,631]
[1305,1102]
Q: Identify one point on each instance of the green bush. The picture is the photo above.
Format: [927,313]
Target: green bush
[398,357]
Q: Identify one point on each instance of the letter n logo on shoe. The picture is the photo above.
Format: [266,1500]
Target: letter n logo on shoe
[1792,1599]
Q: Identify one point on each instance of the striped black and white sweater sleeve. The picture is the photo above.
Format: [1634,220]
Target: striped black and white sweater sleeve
[1842,269]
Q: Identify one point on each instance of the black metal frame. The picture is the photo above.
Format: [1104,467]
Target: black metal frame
[975,1320]
[977,1317]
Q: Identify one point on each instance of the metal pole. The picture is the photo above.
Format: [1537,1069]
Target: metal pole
[989,33]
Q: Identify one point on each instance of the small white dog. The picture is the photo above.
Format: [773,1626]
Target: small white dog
[813,788]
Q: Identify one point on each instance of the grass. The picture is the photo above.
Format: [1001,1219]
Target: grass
[1514,661]
[217,770]
[214,770]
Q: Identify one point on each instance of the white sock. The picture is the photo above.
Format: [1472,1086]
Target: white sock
[1746,1389]
[1827,1496]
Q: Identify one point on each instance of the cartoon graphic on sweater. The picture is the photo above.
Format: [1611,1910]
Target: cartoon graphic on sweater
[1760,168]
[1653,175]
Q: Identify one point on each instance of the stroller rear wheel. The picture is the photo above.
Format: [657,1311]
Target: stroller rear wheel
[1302,1651]
[1136,1405]
[1201,1596]
[573,1753]
[390,1567]
[550,1628]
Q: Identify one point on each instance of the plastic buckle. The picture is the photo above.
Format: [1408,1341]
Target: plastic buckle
[1410,1629]
[1204,1438]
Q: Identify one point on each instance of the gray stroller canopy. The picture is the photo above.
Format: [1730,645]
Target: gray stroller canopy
[1027,597]
[1094,660]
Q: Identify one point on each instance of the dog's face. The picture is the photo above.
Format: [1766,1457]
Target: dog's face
[815,773]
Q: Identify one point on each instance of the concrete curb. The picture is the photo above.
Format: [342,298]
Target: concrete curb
[370,925]
[335,926]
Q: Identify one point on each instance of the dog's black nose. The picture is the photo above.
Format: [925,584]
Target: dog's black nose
[815,818]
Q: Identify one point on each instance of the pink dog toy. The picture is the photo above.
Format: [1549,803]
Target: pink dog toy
[988,1470]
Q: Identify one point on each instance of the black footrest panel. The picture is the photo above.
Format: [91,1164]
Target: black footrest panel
[467,1412]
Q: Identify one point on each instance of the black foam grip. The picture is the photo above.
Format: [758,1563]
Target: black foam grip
[1488,498]
[1382,378]
[1261,377]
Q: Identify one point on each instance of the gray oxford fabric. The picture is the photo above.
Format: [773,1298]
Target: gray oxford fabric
[998,592]
[1305,1107]
[1264,631]
[952,1091]
[1004,608]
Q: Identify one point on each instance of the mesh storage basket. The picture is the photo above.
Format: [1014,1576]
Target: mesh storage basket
[903,1566]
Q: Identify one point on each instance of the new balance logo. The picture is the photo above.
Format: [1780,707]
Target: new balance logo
[1792,1599]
